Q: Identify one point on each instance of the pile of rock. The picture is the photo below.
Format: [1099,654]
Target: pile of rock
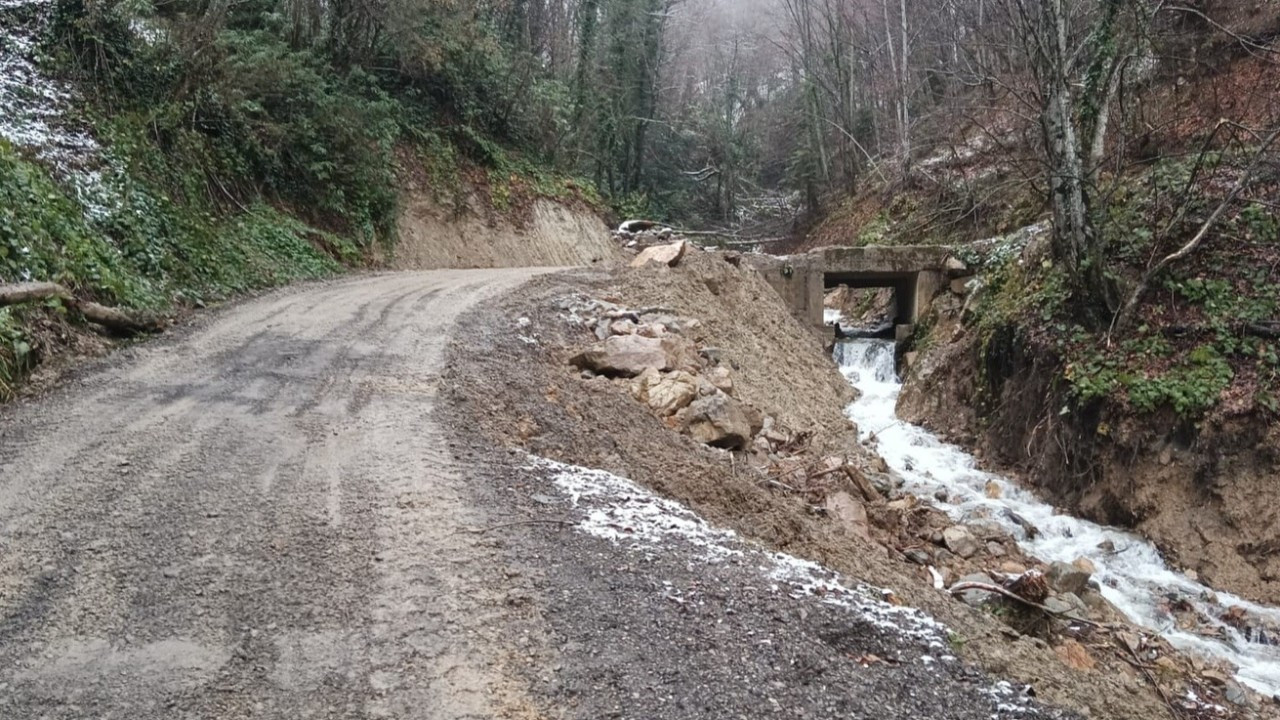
[657,353]
[659,357]
[1065,591]
[1207,616]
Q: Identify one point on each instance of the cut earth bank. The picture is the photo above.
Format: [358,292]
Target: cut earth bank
[641,371]
[471,233]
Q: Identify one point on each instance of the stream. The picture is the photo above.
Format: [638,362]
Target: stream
[1130,570]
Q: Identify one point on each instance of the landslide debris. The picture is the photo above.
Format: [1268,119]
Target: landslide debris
[796,479]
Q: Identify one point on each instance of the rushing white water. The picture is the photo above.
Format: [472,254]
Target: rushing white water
[1133,576]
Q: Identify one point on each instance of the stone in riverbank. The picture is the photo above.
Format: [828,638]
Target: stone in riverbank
[1067,578]
[961,541]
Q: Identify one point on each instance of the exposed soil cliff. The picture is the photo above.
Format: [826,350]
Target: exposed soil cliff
[547,233]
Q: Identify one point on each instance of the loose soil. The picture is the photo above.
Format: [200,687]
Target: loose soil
[547,233]
[519,391]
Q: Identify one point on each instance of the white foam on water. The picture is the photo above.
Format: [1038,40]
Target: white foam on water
[1133,577]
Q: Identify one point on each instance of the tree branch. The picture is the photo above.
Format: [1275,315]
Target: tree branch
[1125,316]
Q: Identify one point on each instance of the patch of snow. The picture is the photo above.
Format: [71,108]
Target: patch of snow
[622,512]
[147,31]
[1002,248]
[626,514]
[808,578]
[1010,700]
[35,107]
[979,143]
[525,323]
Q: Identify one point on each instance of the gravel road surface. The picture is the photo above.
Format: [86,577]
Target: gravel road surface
[257,517]
[272,515]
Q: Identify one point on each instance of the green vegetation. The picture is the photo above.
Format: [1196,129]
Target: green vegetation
[1205,338]
[15,352]
[262,143]
[148,252]
[1152,367]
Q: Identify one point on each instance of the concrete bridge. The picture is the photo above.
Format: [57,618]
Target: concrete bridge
[915,273]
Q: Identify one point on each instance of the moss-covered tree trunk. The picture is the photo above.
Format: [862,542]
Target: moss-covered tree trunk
[1066,117]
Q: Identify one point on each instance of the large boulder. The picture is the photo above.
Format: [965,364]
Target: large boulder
[1068,578]
[668,255]
[850,514]
[755,418]
[1067,605]
[961,541]
[718,421]
[720,377]
[630,355]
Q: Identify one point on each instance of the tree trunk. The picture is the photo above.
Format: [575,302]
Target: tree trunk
[111,318]
[904,91]
[1076,242]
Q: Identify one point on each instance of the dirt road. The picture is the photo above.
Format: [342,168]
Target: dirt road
[257,517]
[284,512]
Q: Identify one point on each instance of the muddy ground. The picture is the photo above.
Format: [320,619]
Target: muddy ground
[518,390]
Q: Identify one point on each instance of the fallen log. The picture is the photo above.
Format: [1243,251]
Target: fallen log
[27,292]
[960,587]
[113,319]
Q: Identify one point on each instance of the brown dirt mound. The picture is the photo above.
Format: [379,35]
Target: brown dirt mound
[519,390]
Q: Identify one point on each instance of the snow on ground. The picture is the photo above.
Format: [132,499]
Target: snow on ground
[620,511]
[36,107]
